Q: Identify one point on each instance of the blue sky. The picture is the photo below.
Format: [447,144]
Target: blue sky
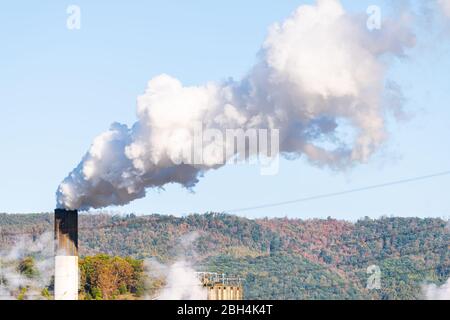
[61,88]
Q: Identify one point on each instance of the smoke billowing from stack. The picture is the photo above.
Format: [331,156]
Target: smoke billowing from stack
[321,73]
[66,259]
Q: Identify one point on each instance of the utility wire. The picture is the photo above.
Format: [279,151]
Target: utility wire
[341,193]
[277,204]
[329,195]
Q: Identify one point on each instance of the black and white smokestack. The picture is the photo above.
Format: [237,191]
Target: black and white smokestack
[66,254]
[66,232]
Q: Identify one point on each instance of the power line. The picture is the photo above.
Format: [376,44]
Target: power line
[277,204]
[315,198]
[340,193]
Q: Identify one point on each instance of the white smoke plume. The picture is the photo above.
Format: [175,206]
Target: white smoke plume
[319,72]
[434,292]
[445,7]
[12,281]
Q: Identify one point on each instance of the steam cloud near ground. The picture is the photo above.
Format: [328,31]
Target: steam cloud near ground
[434,292]
[321,73]
[181,281]
[12,281]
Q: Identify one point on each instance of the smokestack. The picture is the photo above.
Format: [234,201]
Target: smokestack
[66,254]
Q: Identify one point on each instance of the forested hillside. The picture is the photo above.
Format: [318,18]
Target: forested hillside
[278,258]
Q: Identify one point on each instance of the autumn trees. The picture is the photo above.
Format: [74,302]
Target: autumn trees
[107,277]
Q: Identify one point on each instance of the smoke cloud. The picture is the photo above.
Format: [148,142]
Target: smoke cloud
[319,73]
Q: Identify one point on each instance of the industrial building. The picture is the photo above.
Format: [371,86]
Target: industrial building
[221,287]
